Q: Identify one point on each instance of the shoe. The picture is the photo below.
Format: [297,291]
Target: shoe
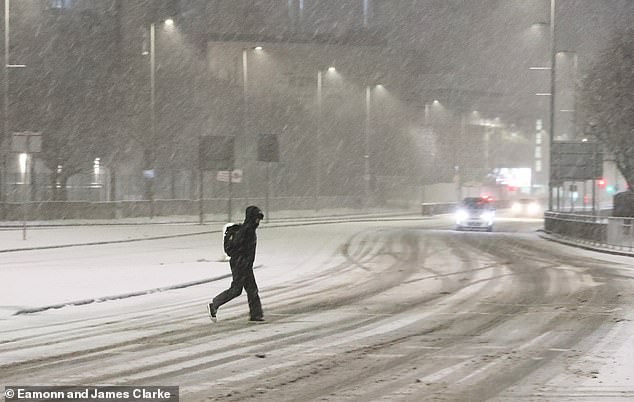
[257,319]
[211,310]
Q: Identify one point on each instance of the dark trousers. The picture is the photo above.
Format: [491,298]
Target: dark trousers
[243,277]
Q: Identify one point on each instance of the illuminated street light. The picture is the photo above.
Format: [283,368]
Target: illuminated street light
[169,22]
[245,120]
[551,139]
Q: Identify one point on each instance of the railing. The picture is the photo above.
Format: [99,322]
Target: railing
[53,210]
[599,231]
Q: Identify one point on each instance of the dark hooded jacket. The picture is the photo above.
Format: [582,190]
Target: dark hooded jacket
[246,239]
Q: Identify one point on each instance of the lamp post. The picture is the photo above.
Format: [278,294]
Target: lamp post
[5,139]
[552,103]
[366,153]
[367,172]
[317,163]
[5,106]
[245,100]
[149,154]
[245,116]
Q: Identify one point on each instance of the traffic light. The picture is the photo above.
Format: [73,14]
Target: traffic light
[601,182]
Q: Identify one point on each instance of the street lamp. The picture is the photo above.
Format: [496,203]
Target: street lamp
[367,175]
[5,139]
[317,165]
[552,102]
[149,173]
[149,155]
[245,85]
[5,105]
[366,153]
[245,105]
[551,131]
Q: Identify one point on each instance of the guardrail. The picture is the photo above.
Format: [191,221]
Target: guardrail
[583,227]
[612,233]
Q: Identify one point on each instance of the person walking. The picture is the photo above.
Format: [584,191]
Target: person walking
[241,262]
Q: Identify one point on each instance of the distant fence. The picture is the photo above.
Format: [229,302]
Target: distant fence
[608,232]
[53,210]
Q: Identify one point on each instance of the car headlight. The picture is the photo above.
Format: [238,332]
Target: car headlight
[487,216]
[516,207]
[533,208]
[461,215]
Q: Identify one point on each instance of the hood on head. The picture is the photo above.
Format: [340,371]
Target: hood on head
[252,213]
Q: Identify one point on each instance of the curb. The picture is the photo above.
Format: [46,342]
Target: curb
[97,243]
[121,296]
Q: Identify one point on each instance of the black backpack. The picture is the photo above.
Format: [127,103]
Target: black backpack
[229,242]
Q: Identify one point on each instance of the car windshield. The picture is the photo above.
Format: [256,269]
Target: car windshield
[476,203]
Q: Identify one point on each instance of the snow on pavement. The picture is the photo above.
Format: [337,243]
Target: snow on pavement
[124,264]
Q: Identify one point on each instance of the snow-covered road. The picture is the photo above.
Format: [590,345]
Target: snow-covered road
[384,310]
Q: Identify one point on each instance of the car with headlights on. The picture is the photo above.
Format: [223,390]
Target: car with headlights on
[475,213]
[526,207]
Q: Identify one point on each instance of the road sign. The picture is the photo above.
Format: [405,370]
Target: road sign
[576,161]
[268,148]
[236,176]
[216,152]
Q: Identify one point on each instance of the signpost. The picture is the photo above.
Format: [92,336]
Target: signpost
[576,161]
[215,153]
[234,177]
[268,151]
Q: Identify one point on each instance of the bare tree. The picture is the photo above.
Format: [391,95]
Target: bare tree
[607,102]
[79,95]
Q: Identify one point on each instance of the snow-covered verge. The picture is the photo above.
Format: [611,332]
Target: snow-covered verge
[59,265]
